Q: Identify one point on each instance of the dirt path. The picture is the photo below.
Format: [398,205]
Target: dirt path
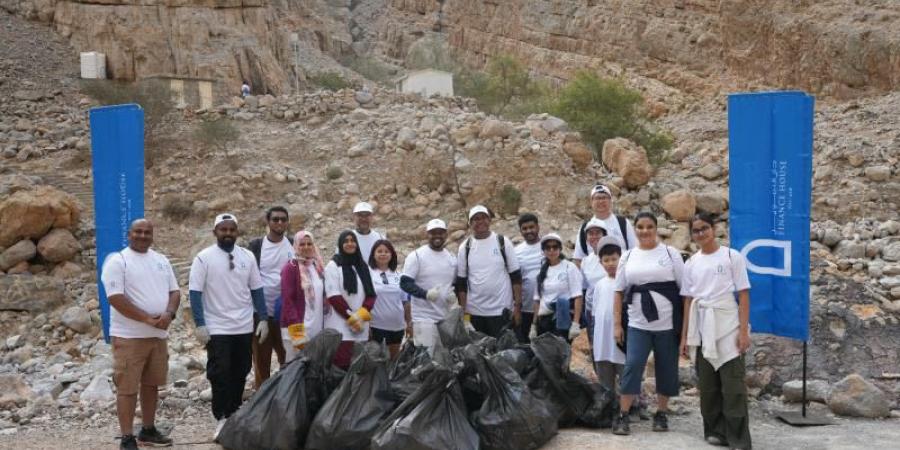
[195,429]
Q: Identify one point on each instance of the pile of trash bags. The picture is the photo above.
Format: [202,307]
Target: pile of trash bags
[472,392]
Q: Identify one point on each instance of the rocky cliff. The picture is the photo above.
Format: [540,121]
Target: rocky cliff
[839,47]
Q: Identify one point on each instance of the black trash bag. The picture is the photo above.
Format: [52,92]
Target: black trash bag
[511,417]
[603,408]
[355,409]
[506,341]
[568,394]
[452,329]
[403,381]
[279,415]
[516,358]
[431,418]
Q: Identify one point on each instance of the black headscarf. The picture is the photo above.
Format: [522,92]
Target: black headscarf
[350,261]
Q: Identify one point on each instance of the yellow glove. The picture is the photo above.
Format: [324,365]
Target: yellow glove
[297,333]
[357,319]
[467,318]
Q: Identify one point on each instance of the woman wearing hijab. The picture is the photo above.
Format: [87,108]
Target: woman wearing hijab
[350,294]
[302,295]
[716,288]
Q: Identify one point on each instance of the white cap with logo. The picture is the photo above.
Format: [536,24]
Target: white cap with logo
[363,207]
[435,224]
[478,209]
[223,217]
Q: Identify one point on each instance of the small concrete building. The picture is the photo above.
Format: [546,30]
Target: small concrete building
[426,82]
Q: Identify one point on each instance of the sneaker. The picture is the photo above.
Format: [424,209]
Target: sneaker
[621,425]
[128,443]
[219,425]
[660,421]
[639,412]
[715,440]
[153,438]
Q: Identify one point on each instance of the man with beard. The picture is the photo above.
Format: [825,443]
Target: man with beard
[428,275]
[272,252]
[143,292]
[225,289]
[529,255]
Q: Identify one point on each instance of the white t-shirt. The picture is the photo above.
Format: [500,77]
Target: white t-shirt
[227,305]
[612,229]
[605,348]
[490,290]
[529,256]
[366,241]
[563,281]
[714,275]
[146,279]
[388,311]
[637,266]
[334,285]
[429,268]
[593,272]
[272,258]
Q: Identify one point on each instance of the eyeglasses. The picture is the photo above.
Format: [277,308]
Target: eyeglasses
[384,279]
[231,261]
[278,219]
[701,230]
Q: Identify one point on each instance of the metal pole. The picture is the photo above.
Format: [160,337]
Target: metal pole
[803,399]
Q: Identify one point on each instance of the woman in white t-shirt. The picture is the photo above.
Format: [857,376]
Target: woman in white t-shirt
[302,295]
[648,311]
[350,294]
[388,321]
[558,300]
[717,332]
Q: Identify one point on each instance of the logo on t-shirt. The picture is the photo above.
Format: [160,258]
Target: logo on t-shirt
[496,252]
[160,267]
[561,277]
[665,261]
[720,269]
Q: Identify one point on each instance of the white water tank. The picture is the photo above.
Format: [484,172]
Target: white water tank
[93,65]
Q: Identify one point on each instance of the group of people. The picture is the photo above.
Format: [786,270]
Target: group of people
[632,294]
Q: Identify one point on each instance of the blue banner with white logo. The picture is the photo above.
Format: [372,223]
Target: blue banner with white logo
[770,143]
[117,148]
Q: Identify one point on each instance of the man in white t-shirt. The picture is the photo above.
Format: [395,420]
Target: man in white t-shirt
[428,275]
[363,218]
[272,252]
[488,279]
[615,225]
[225,290]
[529,255]
[143,292]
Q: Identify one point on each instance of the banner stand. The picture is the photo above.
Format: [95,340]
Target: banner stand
[802,419]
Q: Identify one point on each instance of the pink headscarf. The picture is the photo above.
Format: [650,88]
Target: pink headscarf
[305,262]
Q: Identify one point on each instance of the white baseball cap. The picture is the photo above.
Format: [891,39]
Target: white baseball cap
[551,237]
[609,240]
[600,189]
[223,217]
[595,223]
[363,207]
[435,224]
[478,209]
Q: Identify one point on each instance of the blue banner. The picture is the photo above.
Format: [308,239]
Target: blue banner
[770,143]
[117,148]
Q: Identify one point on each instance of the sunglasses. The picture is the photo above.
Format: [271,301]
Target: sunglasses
[384,279]
[230,261]
[278,219]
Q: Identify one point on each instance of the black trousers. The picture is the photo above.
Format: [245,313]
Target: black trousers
[228,359]
[524,327]
[492,326]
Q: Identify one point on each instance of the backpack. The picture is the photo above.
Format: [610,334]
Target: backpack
[582,236]
[501,241]
[255,247]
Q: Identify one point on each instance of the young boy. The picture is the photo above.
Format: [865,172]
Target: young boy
[608,359]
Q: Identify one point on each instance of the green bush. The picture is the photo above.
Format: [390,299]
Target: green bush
[504,89]
[601,109]
[216,133]
[510,199]
[332,81]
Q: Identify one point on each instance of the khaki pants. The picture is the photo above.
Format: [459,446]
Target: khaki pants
[723,401]
[262,352]
[139,361]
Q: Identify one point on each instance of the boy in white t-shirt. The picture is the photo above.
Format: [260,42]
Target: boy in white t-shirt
[609,360]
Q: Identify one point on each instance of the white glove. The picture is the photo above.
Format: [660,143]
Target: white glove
[202,335]
[574,330]
[262,330]
[451,299]
[433,294]
[533,333]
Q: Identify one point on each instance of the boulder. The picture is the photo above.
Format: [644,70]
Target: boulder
[363,97]
[816,390]
[850,249]
[20,252]
[628,160]
[58,245]
[857,397]
[711,202]
[406,138]
[878,173]
[66,270]
[77,318]
[891,252]
[831,237]
[99,391]
[681,237]
[711,171]
[492,128]
[580,154]
[680,205]
[30,214]
[30,293]
[13,391]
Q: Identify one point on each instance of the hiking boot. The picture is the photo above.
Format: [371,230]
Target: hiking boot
[639,412]
[128,443]
[621,425]
[153,438]
[717,441]
[660,421]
